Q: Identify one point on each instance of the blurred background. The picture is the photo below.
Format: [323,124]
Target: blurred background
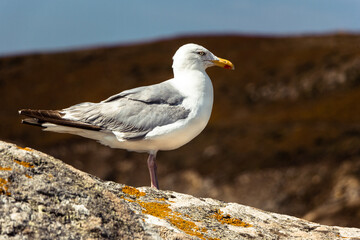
[284,134]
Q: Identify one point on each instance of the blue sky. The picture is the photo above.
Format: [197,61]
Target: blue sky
[40,25]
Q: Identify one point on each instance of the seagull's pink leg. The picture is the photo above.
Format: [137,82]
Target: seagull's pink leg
[152,169]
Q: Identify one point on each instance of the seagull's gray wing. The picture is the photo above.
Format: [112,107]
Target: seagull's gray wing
[133,112]
[162,93]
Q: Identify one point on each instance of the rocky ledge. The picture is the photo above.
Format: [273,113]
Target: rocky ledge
[43,198]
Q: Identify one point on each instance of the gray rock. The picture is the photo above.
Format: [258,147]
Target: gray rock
[44,198]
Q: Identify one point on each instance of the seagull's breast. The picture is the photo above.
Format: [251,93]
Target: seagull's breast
[198,89]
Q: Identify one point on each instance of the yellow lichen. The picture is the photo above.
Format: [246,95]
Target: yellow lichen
[25,164]
[338,235]
[218,215]
[163,200]
[25,148]
[132,192]
[162,210]
[160,199]
[5,168]
[126,199]
[4,187]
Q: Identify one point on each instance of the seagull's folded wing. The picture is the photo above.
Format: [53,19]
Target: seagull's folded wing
[133,113]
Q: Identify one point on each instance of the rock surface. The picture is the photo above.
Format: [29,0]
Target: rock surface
[44,198]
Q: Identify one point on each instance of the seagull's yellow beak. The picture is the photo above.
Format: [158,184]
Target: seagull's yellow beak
[223,63]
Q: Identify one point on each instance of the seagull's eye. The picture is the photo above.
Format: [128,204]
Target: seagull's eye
[201,53]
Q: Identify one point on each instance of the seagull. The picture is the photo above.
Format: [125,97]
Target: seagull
[163,116]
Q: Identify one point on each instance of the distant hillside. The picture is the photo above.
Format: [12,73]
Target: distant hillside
[284,133]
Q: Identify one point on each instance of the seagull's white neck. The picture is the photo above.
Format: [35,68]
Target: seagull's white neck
[196,86]
[189,80]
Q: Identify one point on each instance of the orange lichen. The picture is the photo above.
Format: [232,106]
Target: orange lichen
[160,199]
[218,215]
[4,187]
[5,168]
[28,176]
[25,148]
[162,210]
[132,192]
[338,235]
[126,199]
[163,200]
[25,164]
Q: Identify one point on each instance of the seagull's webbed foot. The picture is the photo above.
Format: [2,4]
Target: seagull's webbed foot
[152,170]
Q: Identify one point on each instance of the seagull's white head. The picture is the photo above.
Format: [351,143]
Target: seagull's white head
[193,56]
